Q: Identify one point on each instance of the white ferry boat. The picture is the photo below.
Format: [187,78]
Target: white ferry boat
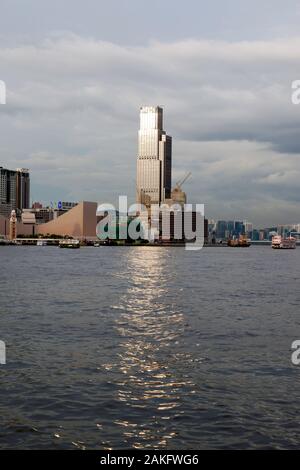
[281,243]
[41,243]
[69,244]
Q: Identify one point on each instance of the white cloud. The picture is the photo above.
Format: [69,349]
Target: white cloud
[72,117]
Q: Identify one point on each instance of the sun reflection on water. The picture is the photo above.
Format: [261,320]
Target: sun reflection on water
[150,327]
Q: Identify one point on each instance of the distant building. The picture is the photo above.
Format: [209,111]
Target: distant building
[8,192]
[13,225]
[255,235]
[239,228]
[221,228]
[79,222]
[248,229]
[14,191]
[225,229]
[22,188]
[154,162]
[46,214]
[37,205]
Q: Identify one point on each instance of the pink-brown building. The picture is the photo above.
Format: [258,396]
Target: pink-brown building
[78,222]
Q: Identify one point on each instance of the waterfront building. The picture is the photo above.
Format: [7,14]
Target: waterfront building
[78,222]
[154,162]
[22,189]
[8,196]
[221,228]
[46,214]
[239,228]
[255,235]
[248,229]
[262,235]
[14,191]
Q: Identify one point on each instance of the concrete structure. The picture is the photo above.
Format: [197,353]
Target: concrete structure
[46,214]
[78,222]
[154,162]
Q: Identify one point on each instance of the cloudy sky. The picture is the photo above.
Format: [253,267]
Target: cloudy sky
[77,73]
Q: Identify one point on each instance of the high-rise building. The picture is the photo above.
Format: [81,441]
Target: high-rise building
[23,189]
[8,193]
[154,162]
[14,190]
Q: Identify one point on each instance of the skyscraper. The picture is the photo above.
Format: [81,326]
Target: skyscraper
[23,188]
[14,190]
[154,162]
[8,184]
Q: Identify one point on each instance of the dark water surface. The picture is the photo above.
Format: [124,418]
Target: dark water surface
[119,347]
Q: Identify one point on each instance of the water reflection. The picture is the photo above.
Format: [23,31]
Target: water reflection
[152,359]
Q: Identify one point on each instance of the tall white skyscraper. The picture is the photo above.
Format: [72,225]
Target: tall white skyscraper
[154,162]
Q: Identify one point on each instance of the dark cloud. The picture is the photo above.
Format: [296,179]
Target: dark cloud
[72,117]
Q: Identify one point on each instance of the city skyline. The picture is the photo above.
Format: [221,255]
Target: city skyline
[154,184]
[72,99]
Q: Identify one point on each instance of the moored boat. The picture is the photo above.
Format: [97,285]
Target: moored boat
[41,243]
[69,243]
[283,243]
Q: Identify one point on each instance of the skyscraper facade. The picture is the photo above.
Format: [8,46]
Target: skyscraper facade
[154,162]
[8,185]
[23,188]
[14,190]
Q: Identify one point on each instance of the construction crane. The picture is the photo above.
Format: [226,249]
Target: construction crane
[183,180]
[177,195]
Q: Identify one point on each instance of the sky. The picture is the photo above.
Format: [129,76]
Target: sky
[77,73]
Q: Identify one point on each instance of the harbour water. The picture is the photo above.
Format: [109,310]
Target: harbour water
[119,347]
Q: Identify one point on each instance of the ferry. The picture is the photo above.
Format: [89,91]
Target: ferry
[69,244]
[281,243]
[41,243]
[241,242]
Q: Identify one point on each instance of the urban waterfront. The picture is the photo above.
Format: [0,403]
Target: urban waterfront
[145,347]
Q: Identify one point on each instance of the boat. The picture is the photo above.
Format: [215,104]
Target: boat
[41,243]
[283,243]
[241,242]
[69,243]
